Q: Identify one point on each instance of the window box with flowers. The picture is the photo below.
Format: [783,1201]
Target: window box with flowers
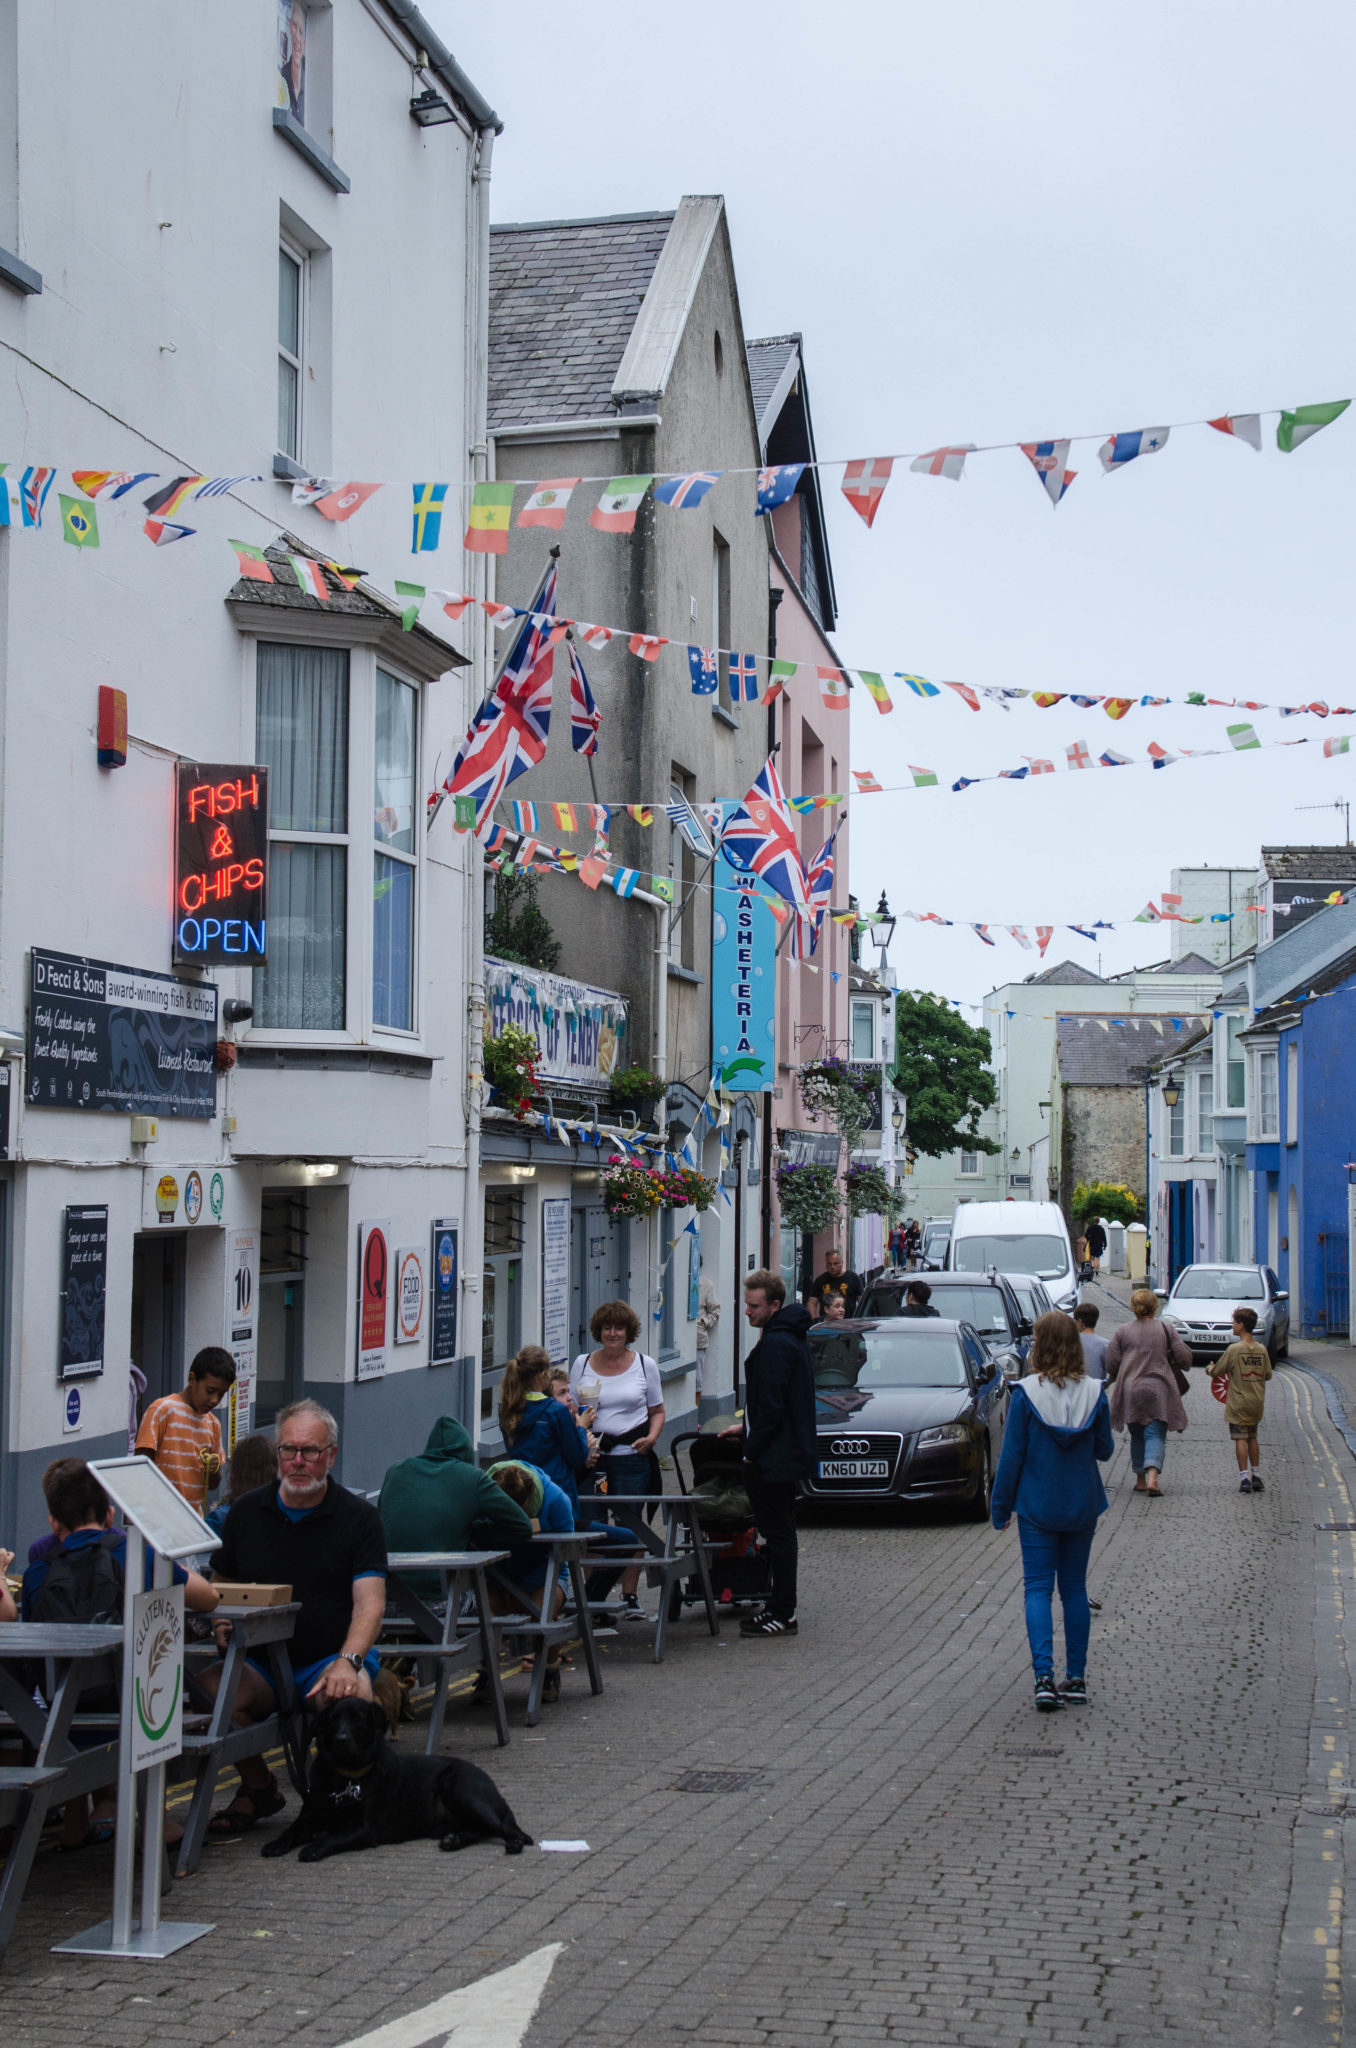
[511,1068]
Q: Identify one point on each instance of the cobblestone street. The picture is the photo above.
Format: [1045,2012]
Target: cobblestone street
[919,1857]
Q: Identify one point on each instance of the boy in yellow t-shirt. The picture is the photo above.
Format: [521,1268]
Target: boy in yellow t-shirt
[1247,1367]
[180,1433]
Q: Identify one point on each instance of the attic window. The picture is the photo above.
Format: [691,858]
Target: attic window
[719,354]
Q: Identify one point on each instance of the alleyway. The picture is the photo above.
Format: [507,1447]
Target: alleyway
[918,1857]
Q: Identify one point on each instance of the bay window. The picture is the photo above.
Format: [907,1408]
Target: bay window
[393,865]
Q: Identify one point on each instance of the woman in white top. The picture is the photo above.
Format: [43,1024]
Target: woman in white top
[626,1413]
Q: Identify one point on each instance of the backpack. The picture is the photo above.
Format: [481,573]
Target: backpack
[84,1584]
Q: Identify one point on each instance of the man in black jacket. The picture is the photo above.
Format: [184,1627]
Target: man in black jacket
[779,1438]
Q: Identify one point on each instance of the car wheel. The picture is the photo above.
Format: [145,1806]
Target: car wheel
[1283,1350]
[977,1510]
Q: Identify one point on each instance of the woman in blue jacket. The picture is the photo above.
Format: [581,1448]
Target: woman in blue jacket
[1058,1428]
[537,1428]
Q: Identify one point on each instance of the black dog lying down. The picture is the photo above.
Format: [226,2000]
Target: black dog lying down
[363,1793]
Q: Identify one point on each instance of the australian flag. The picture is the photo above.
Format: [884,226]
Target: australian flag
[508,734]
[760,839]
[704,668]
[585,718]
[776,485]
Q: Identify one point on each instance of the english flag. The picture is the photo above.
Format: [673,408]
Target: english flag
[947,462]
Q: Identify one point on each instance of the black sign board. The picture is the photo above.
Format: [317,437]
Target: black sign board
[119,1038]
[810,1148]
[442,1294]
[84,1278]
[220,865]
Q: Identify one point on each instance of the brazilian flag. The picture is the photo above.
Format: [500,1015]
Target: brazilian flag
[79,522]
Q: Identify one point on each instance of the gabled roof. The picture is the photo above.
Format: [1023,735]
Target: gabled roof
[374,615]
[1309,863]
[781,402]
[773,366]
[1070,972]
[1191,963]
[1321,983]
[1115,1052]
[1190,1043]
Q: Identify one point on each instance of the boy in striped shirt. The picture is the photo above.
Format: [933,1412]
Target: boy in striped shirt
[181,1434]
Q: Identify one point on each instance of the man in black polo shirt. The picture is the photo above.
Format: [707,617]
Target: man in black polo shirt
[836,1280]
[308,1532]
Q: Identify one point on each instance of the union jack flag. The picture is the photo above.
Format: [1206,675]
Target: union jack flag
[760,839]
[508,734]
[819,891]
[585,717]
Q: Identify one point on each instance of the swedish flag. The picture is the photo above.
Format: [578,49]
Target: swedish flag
[79,522]
[428,517]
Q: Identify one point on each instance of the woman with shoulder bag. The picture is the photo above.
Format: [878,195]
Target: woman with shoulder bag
[622,1402]
[1146,1363]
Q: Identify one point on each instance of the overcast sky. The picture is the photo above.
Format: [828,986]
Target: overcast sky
[990,224]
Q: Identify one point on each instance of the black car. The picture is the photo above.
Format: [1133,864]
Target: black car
[906,1409]
[987,1301]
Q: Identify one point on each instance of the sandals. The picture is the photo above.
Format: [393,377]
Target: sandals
[550,1691]
[246,1810]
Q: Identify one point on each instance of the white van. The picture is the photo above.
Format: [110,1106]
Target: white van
[1015,1237]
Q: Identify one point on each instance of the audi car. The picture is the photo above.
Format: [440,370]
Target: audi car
[989,1302]
[906,1409]
[1202,1303]
[1033,1298]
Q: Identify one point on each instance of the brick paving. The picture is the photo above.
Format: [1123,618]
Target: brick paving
[921,1858]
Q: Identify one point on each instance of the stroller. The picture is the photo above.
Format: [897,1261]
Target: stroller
[739,1568]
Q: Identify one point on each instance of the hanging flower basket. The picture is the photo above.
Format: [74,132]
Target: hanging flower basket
[868,1191]
[511,1068]
[808,1196]
[630,1189]
[685,1188]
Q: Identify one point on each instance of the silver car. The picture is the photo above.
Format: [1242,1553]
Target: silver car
[1202,1303]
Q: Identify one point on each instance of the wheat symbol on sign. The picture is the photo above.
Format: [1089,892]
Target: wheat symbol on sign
[161,1653]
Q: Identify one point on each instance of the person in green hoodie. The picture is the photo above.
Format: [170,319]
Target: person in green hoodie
[441,1500]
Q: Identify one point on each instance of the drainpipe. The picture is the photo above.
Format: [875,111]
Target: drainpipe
[660,1035]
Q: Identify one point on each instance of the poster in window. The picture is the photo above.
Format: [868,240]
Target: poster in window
[292,58]
[555,1277]
[374,1286]
[442,1317]
[84,1283]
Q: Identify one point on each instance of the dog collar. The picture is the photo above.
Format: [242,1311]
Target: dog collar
[340,1772]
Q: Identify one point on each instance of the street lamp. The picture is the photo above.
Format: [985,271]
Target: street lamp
[897,1116]
[1172,1090]
[883,929]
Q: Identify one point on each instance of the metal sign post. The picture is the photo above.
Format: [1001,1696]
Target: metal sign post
[150,1728]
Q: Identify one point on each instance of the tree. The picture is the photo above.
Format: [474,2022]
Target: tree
[517,929]
[942,1066]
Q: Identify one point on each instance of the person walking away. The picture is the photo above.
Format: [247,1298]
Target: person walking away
[538,1429]
[623,1402]
[1096,1238]
[180,1433]
[1094,1347]
[1246,1365]
[779,1438]
[1058,1431]
[918,1300]
[1143,1361]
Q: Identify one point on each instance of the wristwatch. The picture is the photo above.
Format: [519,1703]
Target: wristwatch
[352,1657]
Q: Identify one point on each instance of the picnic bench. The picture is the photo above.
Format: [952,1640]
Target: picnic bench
[265,1633]
[437,1638]
[680,1552]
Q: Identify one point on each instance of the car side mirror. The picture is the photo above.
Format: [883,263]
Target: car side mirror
[1282,1295]
[1162,1293]
[1024,1327]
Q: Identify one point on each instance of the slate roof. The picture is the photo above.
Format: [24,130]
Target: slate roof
[1322,983]
[1115,1052]
[564,295]
[1309,863]
[1191,963]
[1068,971]
[768,359]
[363,602]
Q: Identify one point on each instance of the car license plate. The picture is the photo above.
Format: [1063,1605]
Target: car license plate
[854,1468]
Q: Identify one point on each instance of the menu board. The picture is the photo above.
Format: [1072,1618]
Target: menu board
[123,1039]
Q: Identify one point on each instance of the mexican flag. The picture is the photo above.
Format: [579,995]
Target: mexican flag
[778,676]
[1297,426]
[616,510]
[488,525]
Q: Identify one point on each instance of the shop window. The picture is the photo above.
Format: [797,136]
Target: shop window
[502,1298]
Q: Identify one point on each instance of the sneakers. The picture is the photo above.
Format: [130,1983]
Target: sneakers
[632,1609]
[1245,1484]
[1257,1486]
[1048,1700]
[1074,1692]
[550,1690]
[768,1624]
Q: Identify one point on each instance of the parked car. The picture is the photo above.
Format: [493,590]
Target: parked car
[1033,1298]
[1015,1237]
[987,1301]
[1202,1303]
[936,1237]
[906,1409]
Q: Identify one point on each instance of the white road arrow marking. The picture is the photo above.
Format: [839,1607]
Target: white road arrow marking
[494,2012]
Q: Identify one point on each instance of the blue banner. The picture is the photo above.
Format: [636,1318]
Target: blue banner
[743,992]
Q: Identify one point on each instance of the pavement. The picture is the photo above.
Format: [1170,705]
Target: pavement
[907,1853]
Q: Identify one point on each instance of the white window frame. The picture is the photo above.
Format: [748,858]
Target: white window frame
[1264,1059]
[1177,1126]
[722,559]
[975,1169]
[295,253]
[396,853]
[865,1009]
[1205,1112]
[1291,1092]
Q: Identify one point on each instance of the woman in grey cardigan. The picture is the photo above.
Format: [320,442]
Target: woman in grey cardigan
[1139,1362]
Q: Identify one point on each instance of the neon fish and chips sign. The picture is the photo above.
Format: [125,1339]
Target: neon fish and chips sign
[220,865]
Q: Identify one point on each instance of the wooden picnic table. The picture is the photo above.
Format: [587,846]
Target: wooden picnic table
[439,1636]
[677,1554]
[534,1614]
[264,1633]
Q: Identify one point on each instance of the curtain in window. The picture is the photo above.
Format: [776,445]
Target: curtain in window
[393,943]
[302,734]
[301,985]
[393,796]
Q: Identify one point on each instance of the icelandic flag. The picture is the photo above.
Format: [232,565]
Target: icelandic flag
[1050,460]
[704,668]
[1123,448]
[585,718]
[760,839]
[743,678]
[683,492]
[776,485]
[509,732]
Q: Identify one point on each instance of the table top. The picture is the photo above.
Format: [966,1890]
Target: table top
[58,1639]
[684,1501]
[444,1560]
[226,1611]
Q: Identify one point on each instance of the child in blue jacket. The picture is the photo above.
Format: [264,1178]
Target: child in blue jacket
[1058,1429]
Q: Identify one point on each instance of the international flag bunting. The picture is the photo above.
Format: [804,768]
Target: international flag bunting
[454,603]
[876,690]
[172,495]
[966,694]
[310,576]
[642,813]
[1110,760]
[1020,936]
[704,668]
[306,490]
[117,482]
[33,488]
[778,676]
[1338,744]
[616,510]
[833,689]
[427,527]
[1037,766]
[409,614]
[344,500]
[646,645]
[982,930]
[689,824]
[743,678]
[1244,426]
[1077,755]
[253,562]
[776,485]
[1116,707]
[1306,420]
[662,887]
[1085,703]
[79,525]
[1045,698]
[1050,460]
[1242,737]
[918,684]
[1123,448]
[947,462]
[548,503]
[760,839]
[866,781]
[1083,934]
[464,813]
[496,837]
[1160,756]
[525,817]
[923,778]
[586,720]
[1044,934]
[592,636]
[162,533]
[1013,774]
[864,485]
[562,817]
[591,870]
[683,493]
[1150,914]
[963,782]
[219,486]
[509,732]
[499,615]
[624,881]
[487,524]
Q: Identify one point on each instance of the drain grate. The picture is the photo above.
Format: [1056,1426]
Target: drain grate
[717,1781]
[1033,1752]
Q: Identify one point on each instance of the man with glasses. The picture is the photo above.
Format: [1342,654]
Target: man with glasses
[308,1532]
